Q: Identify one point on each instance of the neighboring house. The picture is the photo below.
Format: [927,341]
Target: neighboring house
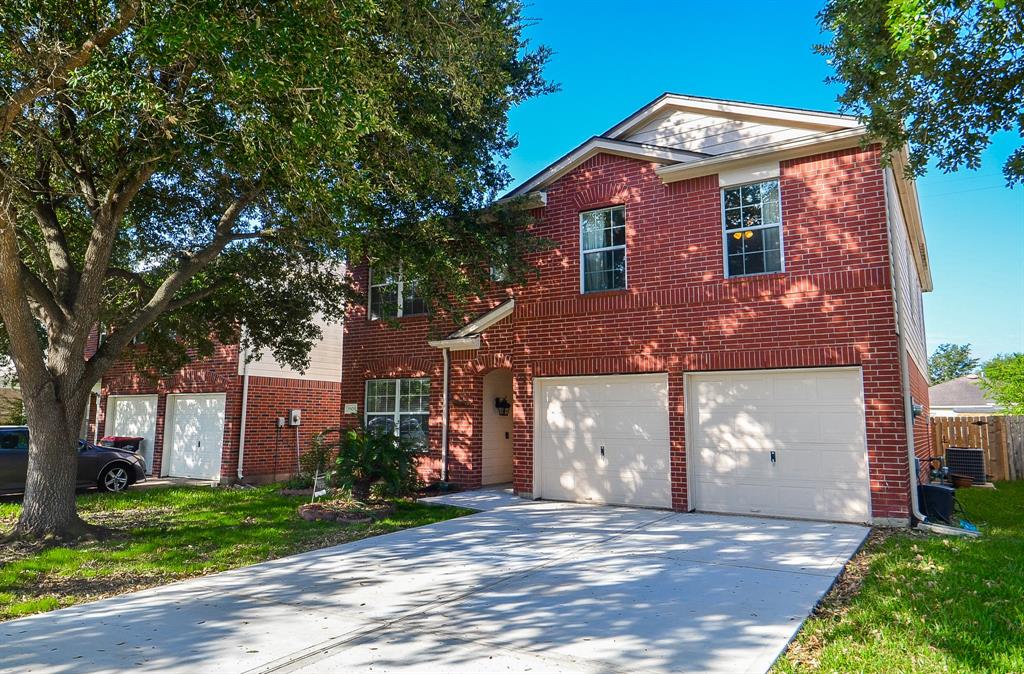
[217,417]
[962,395]
[717,327]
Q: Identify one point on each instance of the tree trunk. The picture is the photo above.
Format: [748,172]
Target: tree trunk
[49,509]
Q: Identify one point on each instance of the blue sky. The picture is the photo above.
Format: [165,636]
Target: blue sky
[613,57]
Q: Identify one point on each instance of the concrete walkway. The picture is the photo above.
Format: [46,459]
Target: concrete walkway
[525,586]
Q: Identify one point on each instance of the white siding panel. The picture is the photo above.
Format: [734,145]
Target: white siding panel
[908,283]
[712,134]
[324,359]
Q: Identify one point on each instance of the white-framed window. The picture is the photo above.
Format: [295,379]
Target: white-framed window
[392,296]
[752,229]
[399,406]
[603,249]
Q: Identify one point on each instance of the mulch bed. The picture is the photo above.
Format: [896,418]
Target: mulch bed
[345,512]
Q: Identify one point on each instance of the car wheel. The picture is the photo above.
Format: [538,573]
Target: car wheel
[114,478]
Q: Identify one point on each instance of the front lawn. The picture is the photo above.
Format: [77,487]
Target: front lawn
[174,533]
[918,602]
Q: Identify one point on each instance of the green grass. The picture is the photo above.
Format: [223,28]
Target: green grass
[170,534]
[928,603]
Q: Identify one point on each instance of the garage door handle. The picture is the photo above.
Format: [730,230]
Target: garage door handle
[773,456]
[602,450]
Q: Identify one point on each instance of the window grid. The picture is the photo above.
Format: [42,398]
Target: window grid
[752,213]
[612,234]
[403,300]
[401,406]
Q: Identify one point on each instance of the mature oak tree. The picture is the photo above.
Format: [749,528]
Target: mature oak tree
[172,170]
[939,76]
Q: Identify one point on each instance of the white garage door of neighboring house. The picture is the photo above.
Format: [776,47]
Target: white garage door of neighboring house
[603,440]
[813,421]
[195,435]
[134,416]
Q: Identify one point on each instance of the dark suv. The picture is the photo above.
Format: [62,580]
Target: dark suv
[108,468]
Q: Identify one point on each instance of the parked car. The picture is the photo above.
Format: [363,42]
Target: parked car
[106,468]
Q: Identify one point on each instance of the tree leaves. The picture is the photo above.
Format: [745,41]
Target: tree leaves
[939,76]
[337,131]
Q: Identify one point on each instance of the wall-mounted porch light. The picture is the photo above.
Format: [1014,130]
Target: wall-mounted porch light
[503,406]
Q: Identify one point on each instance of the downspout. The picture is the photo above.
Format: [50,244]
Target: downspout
[444,416]
[908,400]
[245,409]
[97,389]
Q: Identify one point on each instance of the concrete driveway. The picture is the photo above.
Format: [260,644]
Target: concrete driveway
[523,586]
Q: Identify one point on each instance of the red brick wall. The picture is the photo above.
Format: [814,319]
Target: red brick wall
[215,374]
[832,306]
[270,454]
[269,397]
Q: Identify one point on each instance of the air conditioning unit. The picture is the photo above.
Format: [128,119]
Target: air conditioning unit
[969,461]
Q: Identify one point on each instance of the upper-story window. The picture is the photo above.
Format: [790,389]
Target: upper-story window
[752,227]
[603,249]
[392,296]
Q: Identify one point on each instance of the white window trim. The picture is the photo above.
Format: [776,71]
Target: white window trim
[396,414]
[624,247]
[400,309]
[725,232]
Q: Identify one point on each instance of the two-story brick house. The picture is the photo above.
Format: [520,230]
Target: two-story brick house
[729,320]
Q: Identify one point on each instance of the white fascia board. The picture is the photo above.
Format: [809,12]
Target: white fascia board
[487,320]
[906,189]
[461,344]
[597,145]
[770,113]
[788,149]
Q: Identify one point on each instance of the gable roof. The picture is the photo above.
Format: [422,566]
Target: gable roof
[467,337]
[814,119]
[602,144]
[960,392]
[675,129]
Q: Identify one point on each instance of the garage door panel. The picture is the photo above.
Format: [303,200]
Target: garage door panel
[625,414]
[731,388]
[814,422]
[134,416]
[196,435]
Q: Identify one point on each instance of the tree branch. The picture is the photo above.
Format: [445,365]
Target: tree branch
[163,297]
[54,311]
[78,58]
[14,305]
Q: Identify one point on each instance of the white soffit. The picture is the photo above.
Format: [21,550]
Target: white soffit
[790,149]
[748,173]
[467,338]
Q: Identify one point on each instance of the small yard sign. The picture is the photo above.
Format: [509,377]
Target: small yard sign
[319,485]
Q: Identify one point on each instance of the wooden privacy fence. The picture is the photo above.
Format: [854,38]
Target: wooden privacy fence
[1002,438]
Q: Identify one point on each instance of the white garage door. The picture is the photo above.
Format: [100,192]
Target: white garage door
[603,440]
[133,416]
[196,434]
[812,421]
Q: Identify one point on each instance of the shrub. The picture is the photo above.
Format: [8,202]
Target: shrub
[375,457]
[318,456]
